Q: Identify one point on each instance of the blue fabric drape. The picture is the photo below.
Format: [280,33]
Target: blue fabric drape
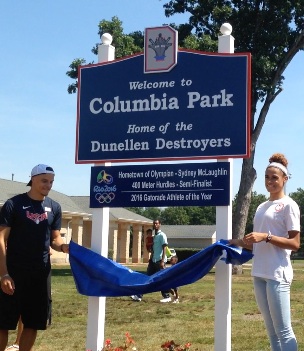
[96,275]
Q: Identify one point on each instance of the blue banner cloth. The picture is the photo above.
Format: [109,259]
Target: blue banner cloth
[96,275]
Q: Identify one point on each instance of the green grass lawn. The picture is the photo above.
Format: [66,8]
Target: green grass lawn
[150,323]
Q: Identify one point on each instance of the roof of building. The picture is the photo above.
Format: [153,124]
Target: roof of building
[9,188]
[70,205]
[118,213]
[189,231]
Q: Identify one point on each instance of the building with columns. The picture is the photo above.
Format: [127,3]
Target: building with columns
[77,225]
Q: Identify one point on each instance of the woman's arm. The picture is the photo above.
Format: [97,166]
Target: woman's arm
[290,243]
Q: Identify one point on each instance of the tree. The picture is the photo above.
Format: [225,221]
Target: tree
[148,212]
[152,212]
[132,43]
[201,215]
[298,197]
[272,30]
[175,216]
[125,44]
[191,215]
[256,199]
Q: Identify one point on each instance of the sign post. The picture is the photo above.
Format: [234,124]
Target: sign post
[222,322]
[99,240]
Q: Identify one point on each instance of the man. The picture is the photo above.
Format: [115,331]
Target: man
[158,259]
[29,224]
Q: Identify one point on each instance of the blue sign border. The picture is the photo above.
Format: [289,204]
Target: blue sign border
[198,110]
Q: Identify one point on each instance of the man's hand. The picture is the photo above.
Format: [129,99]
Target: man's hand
[7,285]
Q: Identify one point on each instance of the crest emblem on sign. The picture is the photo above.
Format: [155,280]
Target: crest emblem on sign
[160,49]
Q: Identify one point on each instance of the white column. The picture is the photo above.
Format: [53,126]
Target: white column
[223,271]
[100,233]
[136,247]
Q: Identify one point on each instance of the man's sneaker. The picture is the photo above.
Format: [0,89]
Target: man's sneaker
[176,301]
[13,347]
[166,299]
[135,298]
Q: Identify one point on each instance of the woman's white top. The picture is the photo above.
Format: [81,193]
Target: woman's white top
[275,217]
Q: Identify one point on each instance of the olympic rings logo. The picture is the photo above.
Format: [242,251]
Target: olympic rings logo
[104,177]
[105,197]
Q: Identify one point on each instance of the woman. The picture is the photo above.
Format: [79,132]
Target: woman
[275,235]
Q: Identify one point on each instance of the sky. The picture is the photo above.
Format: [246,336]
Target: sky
[40,39]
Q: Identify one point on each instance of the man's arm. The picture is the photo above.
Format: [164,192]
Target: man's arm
[57,243]
[7,283]
[163,256]
[4,234]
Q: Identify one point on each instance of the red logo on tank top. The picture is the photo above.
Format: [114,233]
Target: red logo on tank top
[36,217]
[279,207]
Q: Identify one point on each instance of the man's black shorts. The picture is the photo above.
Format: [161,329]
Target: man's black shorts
[30,300]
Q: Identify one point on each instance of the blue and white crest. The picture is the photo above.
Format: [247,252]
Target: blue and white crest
[160,49]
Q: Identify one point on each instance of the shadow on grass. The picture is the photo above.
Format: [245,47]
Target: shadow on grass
[62,272]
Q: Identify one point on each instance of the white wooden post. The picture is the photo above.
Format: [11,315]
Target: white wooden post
[99,241]
[222,323]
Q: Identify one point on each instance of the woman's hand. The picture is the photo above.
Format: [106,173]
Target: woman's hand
[254,237]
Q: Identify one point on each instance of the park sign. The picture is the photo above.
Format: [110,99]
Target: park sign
[199,109]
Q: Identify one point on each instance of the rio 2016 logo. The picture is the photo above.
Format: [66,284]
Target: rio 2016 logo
[104,193]
[104,177]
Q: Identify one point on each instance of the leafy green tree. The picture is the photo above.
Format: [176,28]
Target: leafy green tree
[272,31]
[201,215]
[138,210]
[125,44]
[73,73]
[298,197]
[175,216]
[148,212]
[256,200]
[192,215]
[153,212]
